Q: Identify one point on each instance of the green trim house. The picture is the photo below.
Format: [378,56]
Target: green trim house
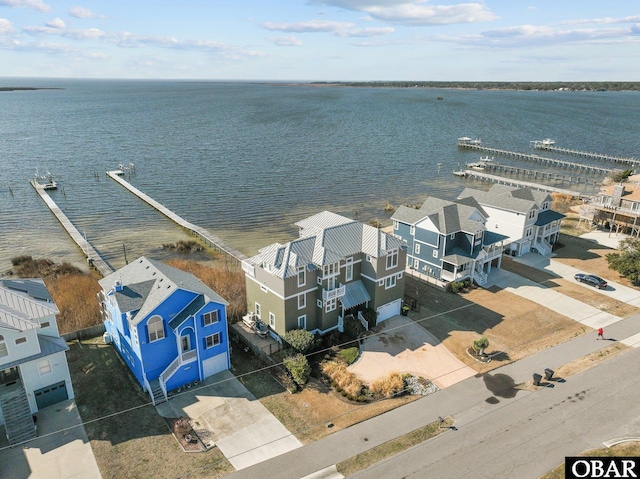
[337,266]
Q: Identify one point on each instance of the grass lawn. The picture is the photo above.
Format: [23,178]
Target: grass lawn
[132,440]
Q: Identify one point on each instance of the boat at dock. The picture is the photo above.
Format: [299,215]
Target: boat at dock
[44,182]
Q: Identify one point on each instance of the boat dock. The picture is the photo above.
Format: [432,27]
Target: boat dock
[549,145]
[484,165]
[196,230]
[465,143]
[478,175]
[93,257]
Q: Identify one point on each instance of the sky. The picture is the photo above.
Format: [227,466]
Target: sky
[322,40]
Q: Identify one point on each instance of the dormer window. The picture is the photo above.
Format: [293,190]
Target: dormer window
[532,214]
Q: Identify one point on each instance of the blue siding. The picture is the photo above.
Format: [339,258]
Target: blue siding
[426,236]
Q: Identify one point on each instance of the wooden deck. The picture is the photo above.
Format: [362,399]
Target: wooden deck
[93,257]
[477,175]
[206,236]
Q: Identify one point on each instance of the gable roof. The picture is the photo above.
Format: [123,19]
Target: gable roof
[448,216]
[20,309]
[325,238]
[519,200]
[146,283]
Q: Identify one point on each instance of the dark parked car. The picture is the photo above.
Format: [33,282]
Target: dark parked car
[591,279]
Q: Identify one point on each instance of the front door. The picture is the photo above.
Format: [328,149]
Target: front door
[186,343]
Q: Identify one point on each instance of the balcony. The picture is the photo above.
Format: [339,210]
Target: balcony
[249,268]
[335,293]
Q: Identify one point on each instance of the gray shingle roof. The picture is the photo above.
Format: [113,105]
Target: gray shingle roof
[520,200]
[448,216]
[325,238]
[147,283]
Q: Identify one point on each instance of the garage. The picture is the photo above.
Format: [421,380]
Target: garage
[50,395]
[214,365]
[389,310]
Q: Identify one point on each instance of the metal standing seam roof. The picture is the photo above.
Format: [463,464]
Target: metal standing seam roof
[20,311]
[354,295]
[48,345]
[34,288]
[166,280]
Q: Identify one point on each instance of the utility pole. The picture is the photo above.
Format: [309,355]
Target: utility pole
[124,249]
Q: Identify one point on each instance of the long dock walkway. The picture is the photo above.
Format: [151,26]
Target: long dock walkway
[549,146]
[209,238]
[512,182]
[539,159]
[543,175]
[93,257]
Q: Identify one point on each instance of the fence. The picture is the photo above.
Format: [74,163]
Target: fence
[85,333]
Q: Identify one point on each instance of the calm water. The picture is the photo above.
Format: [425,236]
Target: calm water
[247,161]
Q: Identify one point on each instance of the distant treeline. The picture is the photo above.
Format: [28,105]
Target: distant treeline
[489,85]
[26,88]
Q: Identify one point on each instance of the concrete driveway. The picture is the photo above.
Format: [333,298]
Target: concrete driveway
[242,428]
[403,346]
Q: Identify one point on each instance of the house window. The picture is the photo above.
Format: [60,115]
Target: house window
[319,303]
[529,232]
[330,269]
[258,311]
[395,224]
[435,253]
[348,270]
[212,340]
[332,304]
[44,367]
[452,236]
[417,248]
[155,328]
[381,282]
[302,322]
[392,259]
[532,214]
[399,275]
[368,258]
[319,280]
[479,234]
[210,317]
[331,283]
[3,347]
[302,276]
[416,264]
[302,301]
[263,289]
[390,282]
[272,320]
[21,340]
[545,205]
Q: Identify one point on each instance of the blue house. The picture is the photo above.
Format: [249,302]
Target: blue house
[168,326]
[448,240]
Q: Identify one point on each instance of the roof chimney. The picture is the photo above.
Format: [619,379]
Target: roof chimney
[616,198]
[117,285]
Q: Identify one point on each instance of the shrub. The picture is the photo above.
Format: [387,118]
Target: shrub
[371,315]
[300,340]
[352,328]
[299,368]
[479,345]
[457,286]
[389,386]
[346,382]
[349,355]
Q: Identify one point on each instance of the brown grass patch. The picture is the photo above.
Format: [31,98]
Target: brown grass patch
[389,386]
[75,297]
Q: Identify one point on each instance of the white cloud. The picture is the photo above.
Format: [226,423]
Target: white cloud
[370,32]
[81,12]
[6,27]
[416,13]
[606,20]
[56,23]
[341,29]
[285,41]
[35,4]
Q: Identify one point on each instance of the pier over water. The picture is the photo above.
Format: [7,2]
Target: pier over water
[196,230]
[93,257]
[549,145]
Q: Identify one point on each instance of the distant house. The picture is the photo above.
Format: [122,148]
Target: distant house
[33,365]
[169,328]
[448,240]
[615,207]
[523,215]
[336,267]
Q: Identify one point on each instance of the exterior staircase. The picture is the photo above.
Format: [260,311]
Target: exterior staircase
[543,247]
[480,277]
[18,419]
[156,392]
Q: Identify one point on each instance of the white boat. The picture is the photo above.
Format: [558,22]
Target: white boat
[548,142]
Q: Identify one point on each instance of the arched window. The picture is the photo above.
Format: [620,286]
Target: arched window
[155,328]
[3,347]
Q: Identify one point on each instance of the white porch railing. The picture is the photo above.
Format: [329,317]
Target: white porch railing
[364,322]
[248,268]
[334,293]
[543,247]
[480,277]
[449,276]
[184,358]
[148,388]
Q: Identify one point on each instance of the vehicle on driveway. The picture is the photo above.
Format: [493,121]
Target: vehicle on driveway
[591,279]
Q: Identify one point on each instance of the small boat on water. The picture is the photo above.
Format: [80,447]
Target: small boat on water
[548,142]
[45,182]
[481,164]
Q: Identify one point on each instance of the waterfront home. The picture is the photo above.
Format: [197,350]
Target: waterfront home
[448,240]
[337,266]
[33,365]
[615,207]
[169,327]
[523,215]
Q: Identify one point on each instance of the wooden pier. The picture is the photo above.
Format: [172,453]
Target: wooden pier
[548,145]
[478,175]
[476,145]
[93,257]
[484,165]
[196,230]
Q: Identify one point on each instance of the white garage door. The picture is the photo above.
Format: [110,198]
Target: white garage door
[214,365]
[388,310]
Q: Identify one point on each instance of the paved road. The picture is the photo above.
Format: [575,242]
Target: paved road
[510,424]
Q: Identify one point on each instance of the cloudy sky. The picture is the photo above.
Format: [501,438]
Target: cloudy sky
[501,40]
